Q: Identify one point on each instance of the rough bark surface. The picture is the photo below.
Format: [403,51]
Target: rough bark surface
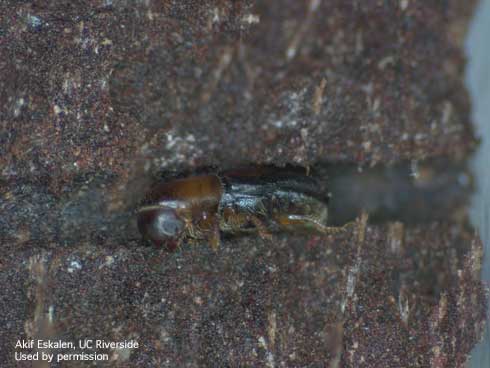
[98,98]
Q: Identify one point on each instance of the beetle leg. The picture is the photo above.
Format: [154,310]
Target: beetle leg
[261,228]
[174,244]
[332,230]
[305,222]
[214,238]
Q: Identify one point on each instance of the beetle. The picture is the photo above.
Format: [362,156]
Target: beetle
[261,200]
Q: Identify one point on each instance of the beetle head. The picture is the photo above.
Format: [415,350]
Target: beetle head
[161,225]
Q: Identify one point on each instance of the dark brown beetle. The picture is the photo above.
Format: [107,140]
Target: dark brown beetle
[260,199]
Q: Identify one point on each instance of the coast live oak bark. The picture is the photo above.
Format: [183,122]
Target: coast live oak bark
[98,99]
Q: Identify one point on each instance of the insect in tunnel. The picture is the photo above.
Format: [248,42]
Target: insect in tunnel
[261,200]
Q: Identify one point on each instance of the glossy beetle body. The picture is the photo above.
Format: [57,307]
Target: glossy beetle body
[253,200]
